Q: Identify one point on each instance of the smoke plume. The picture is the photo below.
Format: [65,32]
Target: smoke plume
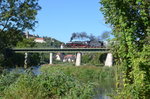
[83,35]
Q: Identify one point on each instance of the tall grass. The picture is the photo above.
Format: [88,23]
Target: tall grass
[84,73]
[55,82]
[56,85]
[103,78]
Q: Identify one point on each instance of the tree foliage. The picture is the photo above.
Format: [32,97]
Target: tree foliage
[15,17]
[130,22]
[105,35]
[9,38]
[18,14]
[50,43]
[26,43]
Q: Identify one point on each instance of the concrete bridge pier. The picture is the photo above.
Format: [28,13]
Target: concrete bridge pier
[26,60]
[78,59]
[51,58]
[109,60]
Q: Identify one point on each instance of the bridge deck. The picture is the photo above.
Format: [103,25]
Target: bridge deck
[64,50]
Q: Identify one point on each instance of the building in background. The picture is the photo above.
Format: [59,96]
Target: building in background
[28,35]
[69,58]
[39,40]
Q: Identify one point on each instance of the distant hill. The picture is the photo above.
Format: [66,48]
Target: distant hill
[49,43]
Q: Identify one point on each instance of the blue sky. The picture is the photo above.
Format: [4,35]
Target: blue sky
[60,18]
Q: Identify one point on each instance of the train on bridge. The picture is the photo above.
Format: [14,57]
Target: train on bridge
[85,44]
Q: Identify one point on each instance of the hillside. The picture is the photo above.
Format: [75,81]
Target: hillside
[49,43]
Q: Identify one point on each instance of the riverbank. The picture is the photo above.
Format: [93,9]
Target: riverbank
[102,77]
[57,82]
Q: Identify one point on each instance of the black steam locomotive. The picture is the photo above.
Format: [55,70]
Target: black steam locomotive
[85,44]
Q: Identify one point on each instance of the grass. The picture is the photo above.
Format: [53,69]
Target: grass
[83,73]
[55,82]
[103,78]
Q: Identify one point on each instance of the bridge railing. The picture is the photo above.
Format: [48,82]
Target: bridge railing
[63,50]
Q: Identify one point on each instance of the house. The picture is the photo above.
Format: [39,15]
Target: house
[40,40]
[65,58]
[59,56]
[69,58]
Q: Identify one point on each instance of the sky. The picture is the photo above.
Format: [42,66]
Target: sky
[60,18]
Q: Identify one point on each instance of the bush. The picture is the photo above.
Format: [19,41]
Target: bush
[84,73]
[97,59]
[102,78]
[56,82]
[7,78]
[55,85]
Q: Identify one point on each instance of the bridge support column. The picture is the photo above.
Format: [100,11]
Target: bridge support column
[109,60]
[51,58]
[78,59]
[26,60]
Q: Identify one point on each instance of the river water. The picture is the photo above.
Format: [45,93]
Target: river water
[102,91]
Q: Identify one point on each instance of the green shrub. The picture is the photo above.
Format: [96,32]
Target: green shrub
[54,85]
[96,59]
[103,78]
[7,78]
[84,73]
[56,82]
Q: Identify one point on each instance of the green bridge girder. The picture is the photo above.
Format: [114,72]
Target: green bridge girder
[63,50]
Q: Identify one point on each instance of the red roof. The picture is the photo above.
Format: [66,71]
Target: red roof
[69,56]
[39,39]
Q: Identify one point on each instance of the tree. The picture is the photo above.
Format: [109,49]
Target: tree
[105,35]
[17,15]
[9,38]
[130,22]
[12,59]
[26,43]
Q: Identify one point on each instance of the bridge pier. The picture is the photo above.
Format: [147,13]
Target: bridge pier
[109,60]
[78,59]
[51,58]
[26,60]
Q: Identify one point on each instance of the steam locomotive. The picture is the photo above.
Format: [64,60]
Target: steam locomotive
[85,44]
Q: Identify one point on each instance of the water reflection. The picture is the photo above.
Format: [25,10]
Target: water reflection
[34,69]
[102,94]
[104,89]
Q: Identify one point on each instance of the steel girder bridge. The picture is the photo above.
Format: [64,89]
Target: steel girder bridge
[63,50]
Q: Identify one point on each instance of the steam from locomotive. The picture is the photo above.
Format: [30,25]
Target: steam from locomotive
[92,42]
[77,35]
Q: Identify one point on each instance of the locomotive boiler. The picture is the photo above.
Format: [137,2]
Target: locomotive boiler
[85,44]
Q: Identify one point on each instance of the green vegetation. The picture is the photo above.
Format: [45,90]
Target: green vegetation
[84,73]
[25,43]
[96,59]
[11,59]
[16,16]
[55,82]
[130,22]
[50,43]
